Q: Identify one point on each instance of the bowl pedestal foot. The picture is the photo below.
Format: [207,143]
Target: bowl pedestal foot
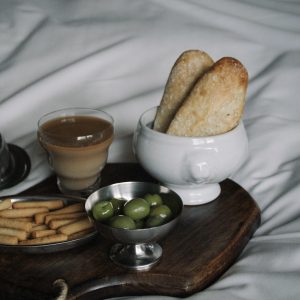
[140,257]
[196,194]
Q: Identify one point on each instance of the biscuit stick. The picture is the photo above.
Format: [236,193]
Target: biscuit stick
[16,224]
[56,223]
[27,219]
[20,234]
[76,215]
[5,204]
[75,227]
[50,204]
[8,239]
[77,207]
[55,238]
[39,227]
[41,233]
[22,212]
[70,208]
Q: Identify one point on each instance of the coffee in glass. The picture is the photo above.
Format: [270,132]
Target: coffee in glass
[77,142]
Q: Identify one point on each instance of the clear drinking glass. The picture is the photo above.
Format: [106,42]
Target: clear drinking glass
[77,142]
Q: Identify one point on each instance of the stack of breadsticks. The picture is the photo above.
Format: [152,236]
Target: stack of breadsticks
[202,97]
[42,222]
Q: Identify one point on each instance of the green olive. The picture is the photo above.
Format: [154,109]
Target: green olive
[123,222]
[154,221]
[139,224]
[153,199]
[102,210]
[117,205]
[162,211]
[137,208]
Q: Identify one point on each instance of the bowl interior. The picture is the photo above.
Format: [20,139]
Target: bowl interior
[128,191]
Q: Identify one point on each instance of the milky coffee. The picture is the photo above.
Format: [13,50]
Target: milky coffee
[77,148]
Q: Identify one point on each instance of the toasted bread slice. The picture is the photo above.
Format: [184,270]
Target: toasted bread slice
[190,65]
[215,104]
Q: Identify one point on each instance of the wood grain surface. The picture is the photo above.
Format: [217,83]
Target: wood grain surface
[205,243]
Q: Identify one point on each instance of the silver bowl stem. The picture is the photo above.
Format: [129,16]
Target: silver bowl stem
[139,257]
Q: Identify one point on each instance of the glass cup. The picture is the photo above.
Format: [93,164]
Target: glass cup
[77,142]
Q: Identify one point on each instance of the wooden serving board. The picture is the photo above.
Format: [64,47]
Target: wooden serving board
[206,242]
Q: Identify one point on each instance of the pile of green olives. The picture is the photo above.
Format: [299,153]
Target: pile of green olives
[148,211]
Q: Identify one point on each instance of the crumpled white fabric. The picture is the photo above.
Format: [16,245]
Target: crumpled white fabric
[116,56]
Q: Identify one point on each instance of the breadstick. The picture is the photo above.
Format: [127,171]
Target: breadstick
[40,218]
[5,204]
[76,215]
[16,224]
[35,225]
[50,204]
[55,238]
[22,212]
[26,219]
[75,227]
[187,69]
[41,233]
[56,223]
[8,239]
[20,234]
[39,227]
[70,208]
[80,234]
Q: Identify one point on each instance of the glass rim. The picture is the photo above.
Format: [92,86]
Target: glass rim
[71,112]
[65,112]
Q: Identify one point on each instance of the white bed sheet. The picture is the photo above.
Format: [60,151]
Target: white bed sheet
[116,56]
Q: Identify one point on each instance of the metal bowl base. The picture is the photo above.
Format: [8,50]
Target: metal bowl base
[139,257]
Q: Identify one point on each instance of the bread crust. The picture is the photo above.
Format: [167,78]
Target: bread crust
[215,104]
[190,65]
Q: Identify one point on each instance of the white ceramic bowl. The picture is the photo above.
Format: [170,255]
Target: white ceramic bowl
[191,166]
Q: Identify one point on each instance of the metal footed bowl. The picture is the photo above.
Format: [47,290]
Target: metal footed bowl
[136,249]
